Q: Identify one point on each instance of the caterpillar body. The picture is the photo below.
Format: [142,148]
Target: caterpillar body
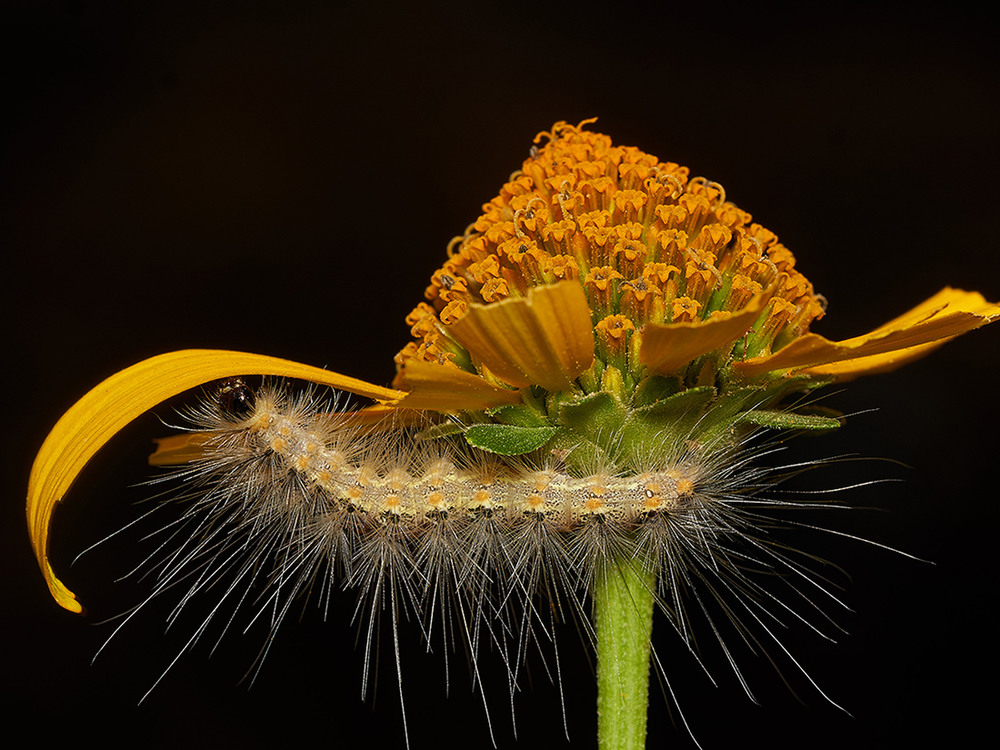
[443,489]
[284,454]
[290,495]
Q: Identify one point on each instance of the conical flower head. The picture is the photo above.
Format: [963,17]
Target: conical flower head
[654,252]
[599,267]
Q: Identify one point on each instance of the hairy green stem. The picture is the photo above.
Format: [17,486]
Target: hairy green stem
[623,614]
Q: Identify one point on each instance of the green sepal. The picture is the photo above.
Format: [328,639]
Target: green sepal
[508,440]
[655,388]
[786,420]
[592,427]
[667,422]
[518,415]
[594,416]
[580,457]
[438,431]
[721,423]
[678,413]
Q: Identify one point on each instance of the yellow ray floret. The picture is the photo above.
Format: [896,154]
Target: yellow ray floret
[191,446]
[104,411]
[445,388]
[179,449]
[545,339]
[668,347]
[947,314]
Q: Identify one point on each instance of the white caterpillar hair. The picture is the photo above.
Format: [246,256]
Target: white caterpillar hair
[293,498]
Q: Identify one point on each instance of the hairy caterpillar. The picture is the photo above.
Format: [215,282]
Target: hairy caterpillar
[292,496]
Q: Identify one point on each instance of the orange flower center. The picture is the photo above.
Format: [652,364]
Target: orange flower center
[648,245]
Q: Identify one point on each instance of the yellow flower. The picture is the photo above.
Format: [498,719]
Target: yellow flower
[598,269]
[596,247]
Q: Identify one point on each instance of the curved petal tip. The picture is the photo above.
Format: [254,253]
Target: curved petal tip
[110,406]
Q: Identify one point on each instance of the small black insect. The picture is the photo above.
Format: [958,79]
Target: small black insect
[236,399]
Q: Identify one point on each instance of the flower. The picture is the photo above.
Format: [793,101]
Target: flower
[598,287]
[599,264]
[613,330]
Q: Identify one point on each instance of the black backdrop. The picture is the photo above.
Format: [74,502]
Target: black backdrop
[284,180]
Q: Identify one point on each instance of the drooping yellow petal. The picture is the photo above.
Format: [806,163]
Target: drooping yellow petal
[174,450]
[947,314]
[98,416]
[544,339]
[448,389]
[179,449]
[668,347]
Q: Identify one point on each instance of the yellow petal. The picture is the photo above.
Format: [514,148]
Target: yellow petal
[947,314]
[668,347]
[179,449]
[545,339]
[448,389]
[99,415]
[849,369]
[191,446]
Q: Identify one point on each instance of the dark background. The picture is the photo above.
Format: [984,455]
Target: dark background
[251,176]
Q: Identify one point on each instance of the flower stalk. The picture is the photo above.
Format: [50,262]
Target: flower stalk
[623,618]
